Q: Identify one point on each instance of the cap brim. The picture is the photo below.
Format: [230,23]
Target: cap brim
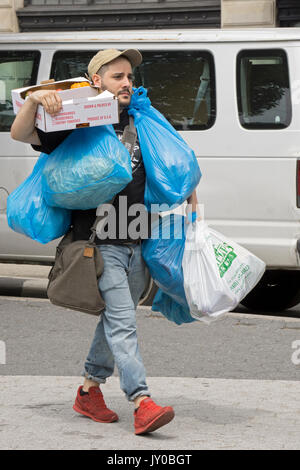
[134,56]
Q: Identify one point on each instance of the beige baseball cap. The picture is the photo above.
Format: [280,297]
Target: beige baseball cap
[107,55]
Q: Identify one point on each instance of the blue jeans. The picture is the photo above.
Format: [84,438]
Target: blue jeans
[121,284]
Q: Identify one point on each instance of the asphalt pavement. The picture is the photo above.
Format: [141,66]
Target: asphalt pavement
[233,384]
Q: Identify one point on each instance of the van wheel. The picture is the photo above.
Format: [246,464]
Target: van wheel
[276,291]
[149,293]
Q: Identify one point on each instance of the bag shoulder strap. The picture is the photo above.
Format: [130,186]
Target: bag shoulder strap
[129,135]
[97,220]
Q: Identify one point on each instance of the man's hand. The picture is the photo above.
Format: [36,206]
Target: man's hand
[49,99]
[192,210]
[191,216]
[23,127]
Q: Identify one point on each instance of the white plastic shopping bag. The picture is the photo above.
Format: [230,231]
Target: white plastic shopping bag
[218,273]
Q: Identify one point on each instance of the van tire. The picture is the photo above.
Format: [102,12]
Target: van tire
[278,290]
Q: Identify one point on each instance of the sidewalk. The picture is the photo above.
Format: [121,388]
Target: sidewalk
[36,413]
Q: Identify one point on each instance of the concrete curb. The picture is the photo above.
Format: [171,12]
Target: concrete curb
[23,287]
[34,288]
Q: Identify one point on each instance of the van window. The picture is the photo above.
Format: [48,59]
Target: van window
[17,69]
[180,84]
[70,64]
[263,90]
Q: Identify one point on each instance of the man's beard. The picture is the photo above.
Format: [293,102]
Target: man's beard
[122,105]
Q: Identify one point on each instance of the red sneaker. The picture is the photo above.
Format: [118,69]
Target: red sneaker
[149,416]
[93,406]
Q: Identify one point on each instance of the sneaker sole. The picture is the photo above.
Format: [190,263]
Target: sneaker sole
[85,413]
[157,422]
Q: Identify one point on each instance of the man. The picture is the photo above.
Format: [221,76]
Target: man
[123,279]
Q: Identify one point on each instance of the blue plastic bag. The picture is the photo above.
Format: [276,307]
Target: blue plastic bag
[28,212]
[87,169]
[171,309]
[163,254]
[172,170]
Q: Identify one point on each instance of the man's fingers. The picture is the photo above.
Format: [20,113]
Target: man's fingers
[52,103]
[192,217]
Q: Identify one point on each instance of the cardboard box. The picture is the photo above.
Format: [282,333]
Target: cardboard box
[82,107]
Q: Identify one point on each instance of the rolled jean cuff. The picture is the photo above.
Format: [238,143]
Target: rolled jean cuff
[93,378]
[139,394]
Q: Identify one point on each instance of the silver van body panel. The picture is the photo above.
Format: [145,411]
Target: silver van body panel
[248,186]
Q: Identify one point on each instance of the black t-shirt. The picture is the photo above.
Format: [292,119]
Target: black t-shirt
[82,220]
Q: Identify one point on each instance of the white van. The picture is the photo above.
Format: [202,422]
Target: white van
[233,95]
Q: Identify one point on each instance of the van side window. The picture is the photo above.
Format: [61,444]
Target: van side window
[70,64]
[180,84]
[263,90]
[17,69]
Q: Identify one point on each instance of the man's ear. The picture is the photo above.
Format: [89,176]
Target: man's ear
[97,80]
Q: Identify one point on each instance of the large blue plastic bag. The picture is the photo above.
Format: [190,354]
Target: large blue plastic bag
[87,169]
[28,212]
[172,170]
[163,254]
